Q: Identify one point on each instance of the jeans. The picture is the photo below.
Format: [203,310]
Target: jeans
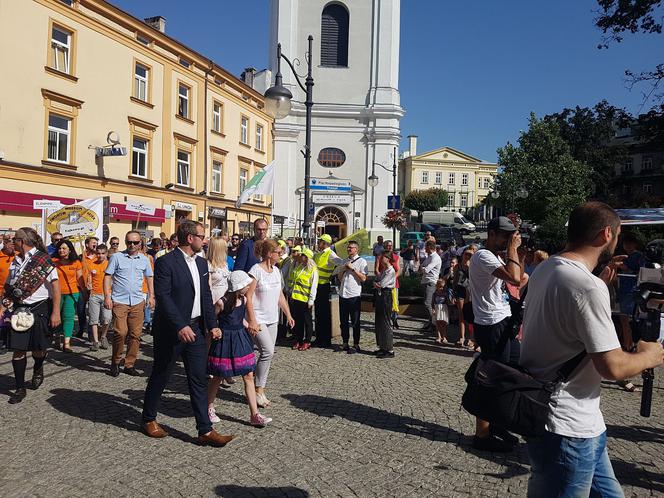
[147,312]
[349,308]
[82,315]
[569,467]
[167,350]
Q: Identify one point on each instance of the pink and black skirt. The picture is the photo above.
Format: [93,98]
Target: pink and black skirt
[232,355]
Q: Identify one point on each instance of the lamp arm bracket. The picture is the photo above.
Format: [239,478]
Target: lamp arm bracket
[297,76]
[389,170]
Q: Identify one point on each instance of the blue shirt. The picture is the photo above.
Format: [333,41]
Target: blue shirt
[128,273]
[230,262]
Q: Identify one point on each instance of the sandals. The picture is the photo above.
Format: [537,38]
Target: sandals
[628,387]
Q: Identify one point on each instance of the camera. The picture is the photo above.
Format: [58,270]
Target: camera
[649,303]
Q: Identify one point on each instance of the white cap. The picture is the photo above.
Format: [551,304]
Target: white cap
[238,280]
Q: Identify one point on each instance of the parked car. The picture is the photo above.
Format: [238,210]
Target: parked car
[450,218]
[414,236]
[449,234]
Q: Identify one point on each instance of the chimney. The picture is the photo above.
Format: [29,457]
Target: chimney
[412,145]
[248,76]
[156,22]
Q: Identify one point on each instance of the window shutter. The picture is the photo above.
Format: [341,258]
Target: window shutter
[334,36]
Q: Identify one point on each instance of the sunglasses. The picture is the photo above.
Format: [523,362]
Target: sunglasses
[132,242]
[115,243]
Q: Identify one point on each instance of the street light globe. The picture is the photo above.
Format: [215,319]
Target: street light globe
[373,180]
[278,101]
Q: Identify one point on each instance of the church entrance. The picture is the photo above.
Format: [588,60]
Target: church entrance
[335,222]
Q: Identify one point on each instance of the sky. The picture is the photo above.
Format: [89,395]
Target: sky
[471,72]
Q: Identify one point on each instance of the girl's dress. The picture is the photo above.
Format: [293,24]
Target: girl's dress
[233,354]
[440,307]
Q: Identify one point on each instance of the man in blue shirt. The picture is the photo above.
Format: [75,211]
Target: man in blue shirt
[123,293]
[55,238]
[245,255]
[630,271]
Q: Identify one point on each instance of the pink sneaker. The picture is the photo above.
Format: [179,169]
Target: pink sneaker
[212,415]
[259,420]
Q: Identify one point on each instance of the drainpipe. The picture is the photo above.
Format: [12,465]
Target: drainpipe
[205,144]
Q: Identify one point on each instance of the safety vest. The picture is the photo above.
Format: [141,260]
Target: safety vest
[325,268]
[301,278]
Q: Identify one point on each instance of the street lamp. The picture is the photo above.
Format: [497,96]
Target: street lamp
[278,101]
[372,181]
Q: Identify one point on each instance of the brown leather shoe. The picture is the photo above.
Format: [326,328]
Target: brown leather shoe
[213,438]
[153,429]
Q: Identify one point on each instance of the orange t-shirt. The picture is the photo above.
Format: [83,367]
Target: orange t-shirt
[67,276]
[97,271]
[145,280]
[5,263]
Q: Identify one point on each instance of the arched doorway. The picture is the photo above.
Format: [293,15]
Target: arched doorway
[335,222]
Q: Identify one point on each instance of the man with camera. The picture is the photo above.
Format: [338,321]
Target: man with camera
[568,311]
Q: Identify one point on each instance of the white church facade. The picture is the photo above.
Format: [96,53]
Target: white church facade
[355,116]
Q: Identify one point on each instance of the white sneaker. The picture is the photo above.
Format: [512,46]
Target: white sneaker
[212,415]
[262,401]
[259,420]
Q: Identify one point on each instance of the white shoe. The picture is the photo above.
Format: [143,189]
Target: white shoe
[259,420]
[212,415]
[262,401]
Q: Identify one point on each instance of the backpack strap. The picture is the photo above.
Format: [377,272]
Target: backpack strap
[569,366]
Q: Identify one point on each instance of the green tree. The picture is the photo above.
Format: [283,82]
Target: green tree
[541,179]
[426,200]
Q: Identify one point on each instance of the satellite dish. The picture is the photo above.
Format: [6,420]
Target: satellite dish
[113,138]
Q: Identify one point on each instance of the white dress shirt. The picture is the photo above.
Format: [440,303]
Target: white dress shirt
[387,279]
[193,269]
[350,285]
[430,269]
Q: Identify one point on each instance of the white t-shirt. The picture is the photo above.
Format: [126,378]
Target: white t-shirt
[567,310]
[350,285]
[488,295]
[45,290]
[266,297]
[430,268]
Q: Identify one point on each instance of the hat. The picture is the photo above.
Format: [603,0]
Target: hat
[325,238]
[502,223]
[297,248]
[307,252]
[281,243]
[238,280]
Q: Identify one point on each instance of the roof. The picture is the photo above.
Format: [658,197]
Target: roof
[447,153]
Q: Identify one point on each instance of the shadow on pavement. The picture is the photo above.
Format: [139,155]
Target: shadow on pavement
[635,434]
[636,475]
[233,491]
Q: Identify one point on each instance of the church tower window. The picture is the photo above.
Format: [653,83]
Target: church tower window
[334,36]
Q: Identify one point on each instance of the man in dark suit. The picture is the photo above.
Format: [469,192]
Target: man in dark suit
[183,312]
[245,254]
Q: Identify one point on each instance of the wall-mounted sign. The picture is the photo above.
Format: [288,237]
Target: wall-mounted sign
[215,212]
[46,204]
[110,151]
[340,199]
[330,184]
[181,206]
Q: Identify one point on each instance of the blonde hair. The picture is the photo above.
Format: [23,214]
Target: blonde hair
[540,256]
[217,252]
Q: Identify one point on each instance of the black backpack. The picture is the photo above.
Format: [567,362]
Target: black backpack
[509,397]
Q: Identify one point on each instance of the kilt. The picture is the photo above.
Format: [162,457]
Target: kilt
[36,337]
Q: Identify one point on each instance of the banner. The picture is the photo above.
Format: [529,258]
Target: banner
[645,216]
[77,221]
[361,237]
[261,183]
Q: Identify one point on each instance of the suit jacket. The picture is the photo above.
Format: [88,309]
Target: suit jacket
[174,293]
[245,255]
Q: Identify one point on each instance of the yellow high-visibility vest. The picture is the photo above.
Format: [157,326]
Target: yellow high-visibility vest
[301,278]
[325,267]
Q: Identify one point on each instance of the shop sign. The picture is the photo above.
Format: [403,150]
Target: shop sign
[215,212]
[46,204]
[332,199]
[181,206]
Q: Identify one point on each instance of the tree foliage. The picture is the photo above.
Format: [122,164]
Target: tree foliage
[541,179]
[426,200]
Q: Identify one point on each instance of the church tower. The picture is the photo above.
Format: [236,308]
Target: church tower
[356,110]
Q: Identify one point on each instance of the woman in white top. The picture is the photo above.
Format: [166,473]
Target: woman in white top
[266,299]
[384,283]
[217,256]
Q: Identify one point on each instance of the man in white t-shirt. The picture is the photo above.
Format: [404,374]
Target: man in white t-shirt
[568,311]
[351,272]
[492,325]
[430,271]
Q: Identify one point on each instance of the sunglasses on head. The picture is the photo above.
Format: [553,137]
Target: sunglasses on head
[132,242]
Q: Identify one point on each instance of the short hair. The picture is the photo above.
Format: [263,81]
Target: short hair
[186,228]
[263,248]
[155,240]
[174,236]
[588,219]
[134,231]
[430,244]
[260,220]
[114,237]
[380,237]
[88,239]
[56,233]
[102,247]
[353,243]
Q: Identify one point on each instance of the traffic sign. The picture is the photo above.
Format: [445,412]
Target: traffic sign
[393,202]
[330,184]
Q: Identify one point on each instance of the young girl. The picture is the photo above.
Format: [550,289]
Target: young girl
[439,305]
[233,354]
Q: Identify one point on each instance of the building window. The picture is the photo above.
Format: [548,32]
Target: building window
[183,168]
[183,100]
[450,179]
[185,63]
[646,163]
[59,134]
[216,117]
[464,200]
[141,75]
[487,183]
[647,188]
[68,2]
[627,189]
[244,130]
[259,137]
[243,178]
[450,199]
[142,39]
[628,167]
[216,176]
[439,178]
[334,36]
[331,157]
[464,179]
[425,177]
[61,49]
[139,158]
[259,198]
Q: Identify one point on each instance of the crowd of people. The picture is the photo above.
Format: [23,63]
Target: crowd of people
[219,304]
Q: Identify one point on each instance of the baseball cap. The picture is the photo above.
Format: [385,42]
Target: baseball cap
[502,223]
[307,252]
[281,243]
[297,248]
[325,238]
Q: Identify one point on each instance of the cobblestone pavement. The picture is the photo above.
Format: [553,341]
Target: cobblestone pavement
[344,425]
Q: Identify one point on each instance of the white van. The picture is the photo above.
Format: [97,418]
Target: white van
[448,218]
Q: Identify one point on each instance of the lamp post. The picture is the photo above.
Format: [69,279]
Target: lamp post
[373,181]
[278,104]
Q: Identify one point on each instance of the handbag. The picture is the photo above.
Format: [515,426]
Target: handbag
[509,397]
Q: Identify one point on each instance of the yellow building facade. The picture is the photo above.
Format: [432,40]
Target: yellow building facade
[84,80]
[466,179]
